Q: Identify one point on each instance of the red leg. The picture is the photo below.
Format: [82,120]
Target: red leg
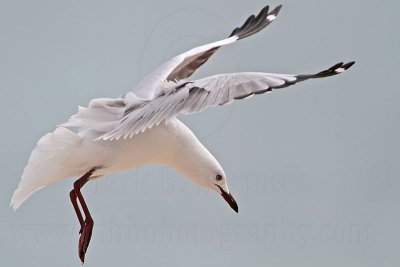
[87,223]
[73,197]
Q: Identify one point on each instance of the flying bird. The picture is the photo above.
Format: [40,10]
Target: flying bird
[141,127]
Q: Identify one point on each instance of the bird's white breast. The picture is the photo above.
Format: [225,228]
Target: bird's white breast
[155,145]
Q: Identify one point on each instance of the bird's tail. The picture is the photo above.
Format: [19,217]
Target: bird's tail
[49,162]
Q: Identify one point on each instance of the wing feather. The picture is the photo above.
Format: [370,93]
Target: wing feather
[185,64]
[198,95]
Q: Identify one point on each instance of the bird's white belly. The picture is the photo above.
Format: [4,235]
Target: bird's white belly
[152,146]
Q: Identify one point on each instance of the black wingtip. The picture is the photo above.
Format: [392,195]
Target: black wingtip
[277,9]
[255,24]
[334,70]
[349,65]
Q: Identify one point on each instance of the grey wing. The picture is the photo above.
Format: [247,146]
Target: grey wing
[225,88]
[198,95]
[185,64]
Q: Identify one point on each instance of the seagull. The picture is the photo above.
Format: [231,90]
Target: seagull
[141,127]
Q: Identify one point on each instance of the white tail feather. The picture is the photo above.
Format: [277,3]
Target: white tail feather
[48,163]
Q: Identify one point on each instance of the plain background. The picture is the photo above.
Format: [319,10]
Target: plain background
[313,167]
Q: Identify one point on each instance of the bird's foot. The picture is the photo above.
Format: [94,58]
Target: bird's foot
[84,239]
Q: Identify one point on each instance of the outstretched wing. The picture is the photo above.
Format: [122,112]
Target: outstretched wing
[196,96]
[184,65]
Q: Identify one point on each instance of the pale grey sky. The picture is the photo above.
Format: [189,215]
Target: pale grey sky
[313,167]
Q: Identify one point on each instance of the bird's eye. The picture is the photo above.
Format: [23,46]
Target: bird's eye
[218,177]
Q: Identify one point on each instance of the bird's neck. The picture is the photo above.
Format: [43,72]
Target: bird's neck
[190,157]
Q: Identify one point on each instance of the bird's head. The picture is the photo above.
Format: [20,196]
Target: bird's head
[220,185]
[209,174]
